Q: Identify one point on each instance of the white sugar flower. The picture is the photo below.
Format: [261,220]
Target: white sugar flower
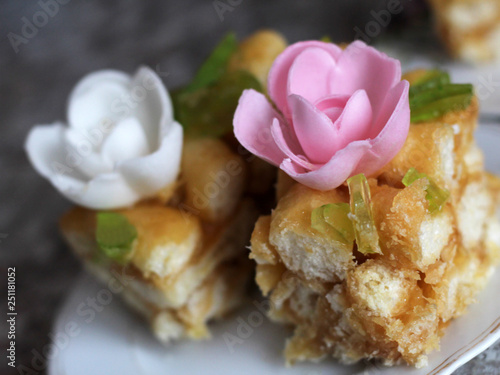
[121,143]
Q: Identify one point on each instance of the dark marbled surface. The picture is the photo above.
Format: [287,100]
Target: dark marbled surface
[83,36]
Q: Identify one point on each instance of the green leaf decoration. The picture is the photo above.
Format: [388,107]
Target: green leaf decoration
[333,219]
[433,95]
[215,66]
[442,92]
[440,107]
[115,235]
[436,196]
[361,215]
[205,107]
[430,80]
[209,111]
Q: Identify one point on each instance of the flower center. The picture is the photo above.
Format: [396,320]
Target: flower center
[333,113]
[99,149]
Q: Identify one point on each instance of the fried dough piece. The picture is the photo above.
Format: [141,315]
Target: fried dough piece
[189,263]
[222,292]
[470,29]
[407,229]
[394,306]
[444,149]
[257,53]
[214,178]
[301,248]
[157,283]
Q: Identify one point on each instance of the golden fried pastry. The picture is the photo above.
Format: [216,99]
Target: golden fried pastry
[469,28]
[214,177]
[394,304]
[257,53]
[183,261]
[180,272]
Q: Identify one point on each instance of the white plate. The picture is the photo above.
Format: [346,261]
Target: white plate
[115,341]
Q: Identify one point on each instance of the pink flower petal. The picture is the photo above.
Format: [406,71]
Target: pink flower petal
[346,113]
[332,105]
[312,125]
[394,120]
[333,113]
[332,174]
[311,74]
[278,75]
[361,67]
[252,126]
[355,121]
[287,142]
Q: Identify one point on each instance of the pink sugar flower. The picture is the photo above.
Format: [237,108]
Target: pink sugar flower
[335,113]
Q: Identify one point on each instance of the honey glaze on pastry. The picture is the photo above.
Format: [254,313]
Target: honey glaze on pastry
[434,212]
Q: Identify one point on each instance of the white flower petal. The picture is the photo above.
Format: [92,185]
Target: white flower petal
[154,107]
[126,141]
[79,160]
[45,148]
[81,152]
[105,192]
[148,174]
[67,185]
[99,100]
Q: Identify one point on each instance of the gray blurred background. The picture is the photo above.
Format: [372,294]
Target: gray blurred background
[82,36]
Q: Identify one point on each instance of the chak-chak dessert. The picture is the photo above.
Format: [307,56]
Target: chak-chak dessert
[385,227]
[469,28]
[164,210]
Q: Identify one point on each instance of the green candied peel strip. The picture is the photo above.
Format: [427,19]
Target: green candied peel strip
[205,108]
[440,107]
[432,79]
[442,92]
[337,216]
[433,95]
[209,111]
[115,235]
[436,196]
[333,219]
[361,215]
[215,66]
